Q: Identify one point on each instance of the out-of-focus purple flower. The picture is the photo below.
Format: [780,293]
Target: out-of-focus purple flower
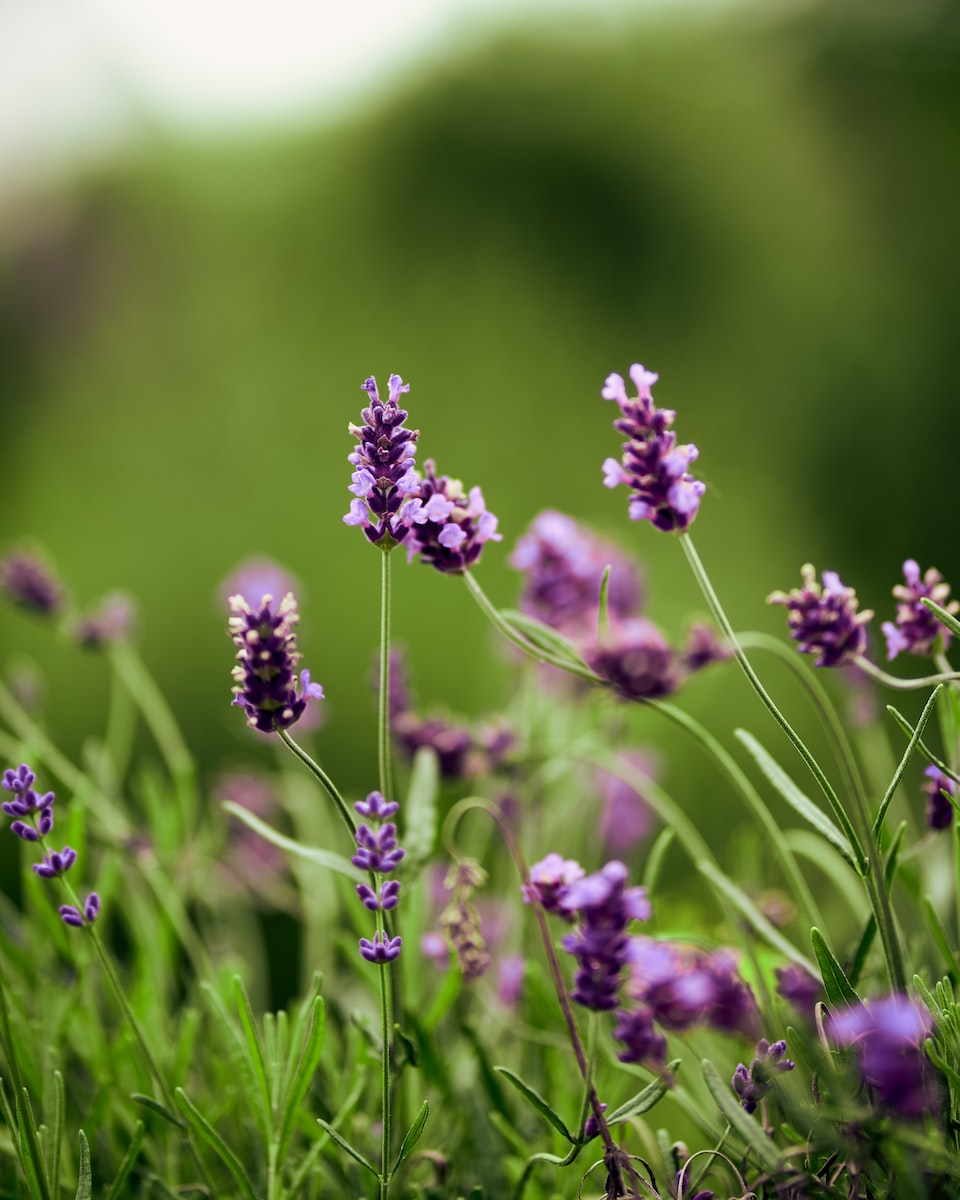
[449,527]
[605,907]
[398,689]
[461,920]
[265,685]
[703,648]
[248,858]
[653,467]
[626,818]
[71,915]
[256,577]
[461,753]
[550,882]
[29,583]
[511,969]
[915,629]
[685,986]
[753,1083]
[641,1042]
[939,808]
[564,565]
[433,945]
[798,987]
[734,1008]
[56,863]
[888,1036]
[383,476]
[635,660]
[112,621]
[824,620]
[382,949]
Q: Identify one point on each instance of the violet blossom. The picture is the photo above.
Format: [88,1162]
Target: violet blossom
[549,883]
[633,658]
[798,987]
[378,853]
[29,583]
[939,809]
[824,620]
[888,1036]
[449,527]
[752,1084]
[915,629]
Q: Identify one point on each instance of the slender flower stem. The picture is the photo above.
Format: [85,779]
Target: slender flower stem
[903,685]
[874,877]
[325,781]
[383,724]
[384,1079]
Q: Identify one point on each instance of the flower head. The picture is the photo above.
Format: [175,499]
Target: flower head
[449,527]
[653,466]
[550,882]
[939,808]
[798,987]
[635,660]
[29,583]
[265,685]
[915,629]
[641,1041]
[824,620]
[888,1036]
[383,474]
[112,621]
[626,818]
[753,1083]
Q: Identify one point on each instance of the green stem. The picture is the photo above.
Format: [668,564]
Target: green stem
[325,781]
[902,685]
[384,1080]
[383,724]
[874,879]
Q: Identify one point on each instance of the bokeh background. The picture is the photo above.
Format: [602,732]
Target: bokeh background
[199,265]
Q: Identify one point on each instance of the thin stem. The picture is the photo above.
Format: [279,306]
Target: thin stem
[383,724]
[874,879]
[384,1080]
[902,685]
[325,781]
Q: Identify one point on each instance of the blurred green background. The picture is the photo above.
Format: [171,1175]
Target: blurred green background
[758,202]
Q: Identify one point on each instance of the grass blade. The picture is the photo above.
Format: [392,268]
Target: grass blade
[32,1159]
[644,1100]
[345,1145]
[729,1106]
[126,1166]
[157,1107]
[413,1134]
[303,1076]
[535,1100]
[56,1137]
[907,755]
[204,1130]
[85,1178]
[837,986]
[254,1049]
[323,858]
[420,809]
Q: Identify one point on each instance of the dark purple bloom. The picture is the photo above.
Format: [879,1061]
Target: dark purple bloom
[703,648]
[111,622]
[265,685]
[382,949]
[888,1037]
[825,621]
[256,577]
[626,817]
[383,476]
[939,808]
[641,1042]
[605,908]
[591,1128]
[671,981]
[71,915]
[754,1082]
[653,467]
[26,801]
[915,629]
[734,1007]
[449,528]
[550,882]
[511,970]
[635,660]
[30,584]
[798,987]
[387,897]
[564,565]
[56,863]
[375,808]
[377,851]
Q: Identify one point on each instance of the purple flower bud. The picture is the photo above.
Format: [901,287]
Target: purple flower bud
[70,915]
[27,832]
[390,894]
[30,584]
[56,863]
[824,620]
[368,897]
[382,949]
[376,808]
[18,781]
[798,987]
[550,881]
[888,1037]
[383,477]
[635,661]
[653,467]
[91,908]
[753,1083]
[642,1043]
[448,527]
[939,808]
[377,851]
[113,621]
[591,1127]
[45,821]
[915,629]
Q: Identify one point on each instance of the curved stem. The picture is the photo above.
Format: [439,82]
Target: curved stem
[325,781]
[383,723]
[902,685]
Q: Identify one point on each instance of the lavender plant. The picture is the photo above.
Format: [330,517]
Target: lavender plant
[679,1020]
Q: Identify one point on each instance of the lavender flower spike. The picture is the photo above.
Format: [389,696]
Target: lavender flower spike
[550,881]
[265,686]
[384,476]
[56,863]
[449,526]
[653,466]
[71,915]
[915,629]
[29,583]
[939,809]
[382,949]
[754,1082]
[825,621]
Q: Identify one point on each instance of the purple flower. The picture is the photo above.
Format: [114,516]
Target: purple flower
[550,882]
[653,467]
[71,915]
[30,584]
[564,565]
[111,622]
[511,970]
[26,801]
[449,527]
[265,686]
[641,1042]
[375,808]
[377,850]
[888,1036]
[915,629]
[635,661]
[591,1127]
[626,818]
[56,863]
[939,808]
[753,1083]
[383,477]
[684,986]
[825,621]
[703,648]
[255,577]
[605,908]
[798,987]
[382,949]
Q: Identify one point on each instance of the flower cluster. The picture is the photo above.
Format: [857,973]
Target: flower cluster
[564,564]
[653,466]
[798,987]
[753,1083]
[30,584]
[549,884]
[448,526]
[378,852]
[824,620]
[111,621]
[33,821]
[383,477]
[939,809]
[635,660]
[915,629]
[461,921]
[888,1036]
[265,686]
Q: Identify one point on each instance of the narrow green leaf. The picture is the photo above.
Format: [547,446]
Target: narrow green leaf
[85,1178]
[505,1127]
[117,1191]
[56,1136]
[420,809]
[945,618]
[303,1076]
[157,1107]
[237,1041]
[837,986]
[658,851]
[940,937]
[32,1159]
[254,1048]
[323,858]
[644,1100]
[859,960]
[907,728]
[729,1106]
[202,1127]
[542,636]
[413,1134]
[821,854]
[345,1145]
[10,1122]
[603,609]
[846,842]
[927,997]
[907,755]
[343,1114]
[534,1099]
